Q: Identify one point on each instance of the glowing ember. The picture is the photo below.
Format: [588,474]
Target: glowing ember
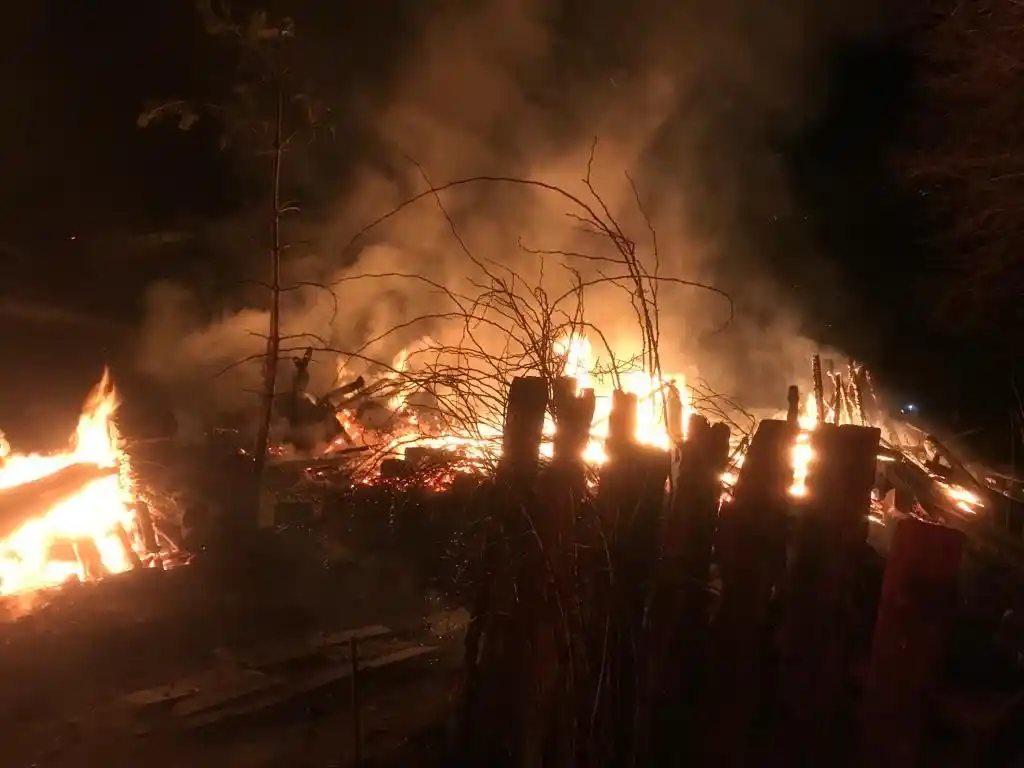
[95,521]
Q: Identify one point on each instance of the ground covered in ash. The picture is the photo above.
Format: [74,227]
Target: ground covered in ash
[86,673]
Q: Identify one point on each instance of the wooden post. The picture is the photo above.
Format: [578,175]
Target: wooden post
[819,389]
[674,414]
[751,551]
[524,427]
[494,716]
[565,714]
[793,405]
[630,500]
[678,613]
[621,422]
[911,634]
[828,547]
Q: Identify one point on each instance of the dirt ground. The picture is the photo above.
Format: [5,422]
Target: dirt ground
[68,667]
[403,723]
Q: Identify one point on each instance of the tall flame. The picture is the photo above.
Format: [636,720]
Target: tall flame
[99,512]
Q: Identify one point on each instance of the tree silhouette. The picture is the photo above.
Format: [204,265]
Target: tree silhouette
[268,110]
[967,158]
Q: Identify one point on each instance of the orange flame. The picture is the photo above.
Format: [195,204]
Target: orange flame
[100,511]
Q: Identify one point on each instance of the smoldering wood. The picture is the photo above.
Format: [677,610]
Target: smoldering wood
[674,413]
[631,496]
[819,389]
[827,550]
[146,527]
[90,559]
[343,391]
[793,404]
[678,614]
[509,608]
[573,415]
[559,663]
[21,503]
[622,421]
[751,547]
[300,380]
[857,395]
[126,545]
[841,406]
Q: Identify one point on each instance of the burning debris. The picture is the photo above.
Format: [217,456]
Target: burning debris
[74,516]
[401,428]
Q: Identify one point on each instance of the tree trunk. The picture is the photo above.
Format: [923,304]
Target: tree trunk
[274,330]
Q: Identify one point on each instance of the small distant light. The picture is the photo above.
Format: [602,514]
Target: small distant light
[909,408]
[74,237]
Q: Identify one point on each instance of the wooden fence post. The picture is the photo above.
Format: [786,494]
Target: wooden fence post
[495,712]
[829,538]
[911,635]
[751,543]
[678,613]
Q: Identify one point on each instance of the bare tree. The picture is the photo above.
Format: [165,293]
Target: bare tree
[267,111]
[967,156]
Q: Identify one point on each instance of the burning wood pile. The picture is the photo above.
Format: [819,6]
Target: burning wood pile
[74,516]
[399,429]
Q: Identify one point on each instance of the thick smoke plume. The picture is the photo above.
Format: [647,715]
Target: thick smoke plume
[689,98]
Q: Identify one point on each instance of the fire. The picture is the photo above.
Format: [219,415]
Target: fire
[64,541]
[651,392]
[661,400]
[803,453]
[577,359]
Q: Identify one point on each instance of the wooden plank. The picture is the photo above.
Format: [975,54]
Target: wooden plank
[277,656]
[235,685]
[253,662]
[306,685]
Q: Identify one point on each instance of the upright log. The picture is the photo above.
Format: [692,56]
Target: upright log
[674,413]
[678,613]
[562,491]
[819,389]
[751,555]
[630,502]
[910,639]
[793,405]
[622,422]
[828,547]
[497,714]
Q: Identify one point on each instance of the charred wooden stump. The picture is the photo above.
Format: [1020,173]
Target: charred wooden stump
[751,552]
[793,405]
[90,559]
[500,693]
[630,501]
[561,494]
[829,540]
[819,388]
[678,614]
[911,633]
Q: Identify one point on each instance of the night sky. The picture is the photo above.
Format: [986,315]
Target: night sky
[82,182]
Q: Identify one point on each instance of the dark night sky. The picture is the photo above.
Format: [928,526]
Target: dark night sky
[79,175]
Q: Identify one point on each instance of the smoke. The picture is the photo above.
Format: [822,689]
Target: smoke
[691,99]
